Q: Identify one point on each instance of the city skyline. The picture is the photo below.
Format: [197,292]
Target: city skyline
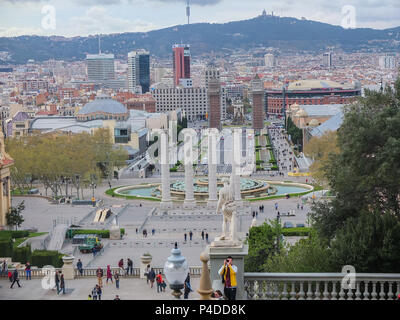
[116,16]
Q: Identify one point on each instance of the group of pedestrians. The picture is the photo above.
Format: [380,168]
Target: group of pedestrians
[204,236]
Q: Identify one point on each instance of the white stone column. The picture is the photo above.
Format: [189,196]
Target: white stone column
[166,202]
[188,159]
[235,160]
[189,202]
[212,169]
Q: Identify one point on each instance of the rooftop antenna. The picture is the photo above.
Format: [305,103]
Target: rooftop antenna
[188,10]
[99,45]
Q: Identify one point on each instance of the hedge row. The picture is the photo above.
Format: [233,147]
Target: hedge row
[300,231]
[42,258]
[5,234]
[6,248]
[105,234]
[22,254]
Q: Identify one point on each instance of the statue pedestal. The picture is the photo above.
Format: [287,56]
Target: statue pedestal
[145,260]
[218,251]
[68,268]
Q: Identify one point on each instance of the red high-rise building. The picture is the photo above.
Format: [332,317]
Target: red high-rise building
[181,61]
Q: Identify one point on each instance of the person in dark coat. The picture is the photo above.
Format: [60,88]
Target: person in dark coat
[152,276]
[62,284]
[187,287]
[15,279]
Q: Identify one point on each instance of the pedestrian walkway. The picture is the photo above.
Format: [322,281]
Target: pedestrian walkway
[79,289]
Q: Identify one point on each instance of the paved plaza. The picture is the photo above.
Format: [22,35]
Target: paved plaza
[136,215]
[79,289]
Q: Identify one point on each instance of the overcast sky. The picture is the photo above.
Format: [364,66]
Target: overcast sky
[84,17]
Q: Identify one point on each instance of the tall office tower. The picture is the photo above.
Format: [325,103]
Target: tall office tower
[387,61]
[270,60]
[257,92]
[181,62]
[100,66]
[214,103]
[327,59]
[139,70]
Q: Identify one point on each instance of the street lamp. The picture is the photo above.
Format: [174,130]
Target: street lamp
[176,270]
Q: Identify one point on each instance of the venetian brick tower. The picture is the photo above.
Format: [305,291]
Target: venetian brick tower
[257,91]
[214,103]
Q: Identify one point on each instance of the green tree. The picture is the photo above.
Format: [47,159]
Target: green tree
[365,174]
[264,242]
[370,243]
[296,134]
[14,217]
[307,255]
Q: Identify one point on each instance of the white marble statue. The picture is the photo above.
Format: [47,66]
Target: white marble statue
[226,204]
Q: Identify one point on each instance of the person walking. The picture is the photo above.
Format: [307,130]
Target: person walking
[116,277]
[28,271]
[152,276]
[159,281]
[146,273]
[4,268]
[62,284]
[228,272]
[276,205]
[99,274]
[207,237]
[94,293]
[187,287]
[80,267]
[99,292]
[121,266]
[129,270]
[191,235]
[202,235]
[15,279]
[109,275]
[57,281]
[185,236]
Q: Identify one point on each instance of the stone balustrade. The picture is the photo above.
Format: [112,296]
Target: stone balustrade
[91,272]
[320,286]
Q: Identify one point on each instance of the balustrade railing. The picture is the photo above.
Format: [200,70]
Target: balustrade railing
[92,272]
[320,286]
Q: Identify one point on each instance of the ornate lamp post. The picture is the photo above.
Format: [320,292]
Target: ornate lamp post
[176,270]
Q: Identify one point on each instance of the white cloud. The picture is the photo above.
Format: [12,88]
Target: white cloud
[98,20]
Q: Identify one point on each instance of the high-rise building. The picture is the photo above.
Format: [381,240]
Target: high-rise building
[257,92]
[214,103]
[327,59]
[181,62]
[139,70]
[100,67]
[387,61]
[270,60]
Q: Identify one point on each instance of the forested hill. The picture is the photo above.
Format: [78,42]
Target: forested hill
[284,33]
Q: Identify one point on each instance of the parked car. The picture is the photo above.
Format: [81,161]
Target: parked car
[300,225]
[288,224]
